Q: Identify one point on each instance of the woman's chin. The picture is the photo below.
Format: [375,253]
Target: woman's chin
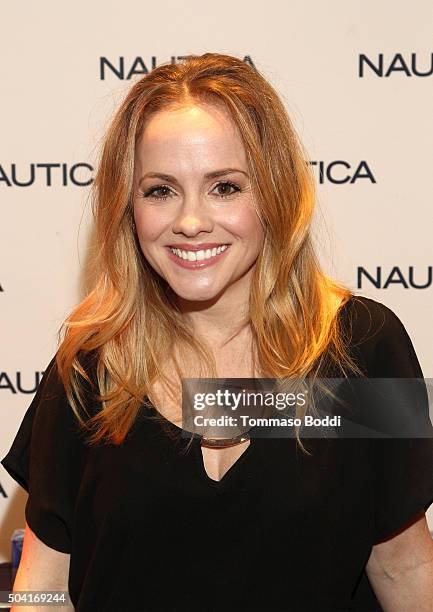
[192,294]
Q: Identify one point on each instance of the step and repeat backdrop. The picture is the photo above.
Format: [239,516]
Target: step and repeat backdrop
[356,79]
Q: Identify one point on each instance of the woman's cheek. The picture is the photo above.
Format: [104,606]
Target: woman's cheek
[151,223]
[245,224]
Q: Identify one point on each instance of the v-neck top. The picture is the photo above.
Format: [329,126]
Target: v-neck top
[147,529]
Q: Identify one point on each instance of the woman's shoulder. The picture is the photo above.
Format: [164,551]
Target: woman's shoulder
[369,318]
[379,338]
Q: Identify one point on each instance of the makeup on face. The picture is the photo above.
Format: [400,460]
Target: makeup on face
[193,205]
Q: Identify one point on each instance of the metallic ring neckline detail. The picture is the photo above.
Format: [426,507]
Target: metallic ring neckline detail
[223,442]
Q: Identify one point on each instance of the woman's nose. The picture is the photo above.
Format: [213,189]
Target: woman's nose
[193,217]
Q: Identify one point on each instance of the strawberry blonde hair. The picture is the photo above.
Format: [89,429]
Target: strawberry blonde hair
[128,321]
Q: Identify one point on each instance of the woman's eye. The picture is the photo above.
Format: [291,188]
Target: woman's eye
[153,192]
[163,192]
[226,189]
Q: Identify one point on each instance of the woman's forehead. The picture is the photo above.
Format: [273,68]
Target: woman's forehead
[185,136]
[176,123]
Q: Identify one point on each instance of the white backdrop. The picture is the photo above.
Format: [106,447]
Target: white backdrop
[356,78]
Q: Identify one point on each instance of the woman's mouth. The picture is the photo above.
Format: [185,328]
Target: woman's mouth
[197,259]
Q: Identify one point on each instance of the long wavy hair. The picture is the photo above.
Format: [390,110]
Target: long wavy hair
[129,321]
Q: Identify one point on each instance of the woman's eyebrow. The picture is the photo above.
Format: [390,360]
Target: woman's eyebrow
[214,174]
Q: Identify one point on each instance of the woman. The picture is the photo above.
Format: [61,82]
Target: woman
[204,267]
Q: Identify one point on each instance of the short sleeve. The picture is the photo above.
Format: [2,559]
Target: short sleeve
[404,466]
[46,459]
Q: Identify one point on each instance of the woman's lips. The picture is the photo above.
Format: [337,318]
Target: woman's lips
[192,265]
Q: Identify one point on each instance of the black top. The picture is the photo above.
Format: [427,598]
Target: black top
[148,529]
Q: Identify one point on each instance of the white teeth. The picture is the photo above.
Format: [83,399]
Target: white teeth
[199,255]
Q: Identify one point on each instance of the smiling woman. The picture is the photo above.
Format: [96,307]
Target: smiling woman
[208,195]
[204,267]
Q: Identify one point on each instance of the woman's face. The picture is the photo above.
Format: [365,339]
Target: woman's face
[192,196]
